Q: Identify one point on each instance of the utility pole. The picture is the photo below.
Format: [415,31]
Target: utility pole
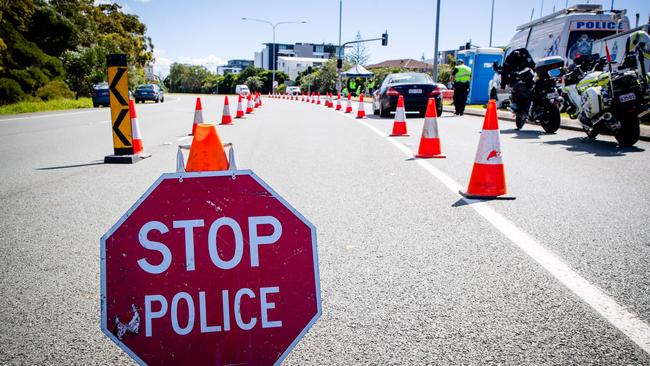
[491,22]
[435,47]
[338,68]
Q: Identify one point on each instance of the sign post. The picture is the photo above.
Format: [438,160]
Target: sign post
[209,268]
[118,89]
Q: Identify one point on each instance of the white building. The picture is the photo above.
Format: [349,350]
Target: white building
[294,65]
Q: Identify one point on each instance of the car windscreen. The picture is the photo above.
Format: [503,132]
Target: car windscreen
[410,79]
[145,87]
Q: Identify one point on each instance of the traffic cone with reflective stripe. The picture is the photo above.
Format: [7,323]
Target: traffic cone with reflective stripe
[313,98]
[226,118]
[488,179]
[361,111]
[330,102]
[348,108]
[206,151]
[198,114]
[138,148]
[338,102]
[318,98]
[259,99]
[240,108]
[430,142]
[249,104]
[399,125]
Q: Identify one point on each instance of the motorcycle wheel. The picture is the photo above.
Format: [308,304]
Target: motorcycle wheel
[552,119]
[629,132]
[519,121]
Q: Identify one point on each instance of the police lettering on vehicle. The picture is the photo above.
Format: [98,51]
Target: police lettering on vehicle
[596,25]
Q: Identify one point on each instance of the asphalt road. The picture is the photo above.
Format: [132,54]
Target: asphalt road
[410,273]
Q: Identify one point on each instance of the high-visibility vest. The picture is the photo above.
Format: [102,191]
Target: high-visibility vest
[463,74]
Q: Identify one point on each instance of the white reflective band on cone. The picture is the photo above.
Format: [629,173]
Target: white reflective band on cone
[226,110]
[180,159]
[135,129]
[198,116]
[489,148]
[430,130]
[400,116]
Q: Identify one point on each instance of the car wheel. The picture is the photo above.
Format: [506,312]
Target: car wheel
[95,105]
[162,99]
[384,113]
[157,100]
[375,111]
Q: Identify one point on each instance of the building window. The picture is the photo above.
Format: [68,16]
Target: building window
[320,48]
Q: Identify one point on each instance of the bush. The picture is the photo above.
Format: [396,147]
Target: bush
[281,89]
[10,91]
[56,89]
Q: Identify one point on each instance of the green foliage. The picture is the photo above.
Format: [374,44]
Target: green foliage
[41,41]
[185,78]
[56,89]
[444,73]
[281,89]
[254,83]
[36,105]
[212,84]
[10,91]
[322,80]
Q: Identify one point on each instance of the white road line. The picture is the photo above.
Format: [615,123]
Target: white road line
[628,323]
[51,115]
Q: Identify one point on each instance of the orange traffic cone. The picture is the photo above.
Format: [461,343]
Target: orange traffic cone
[198,114]
[488,179]
[259,99]
[399,125]
[249,104]
[226,118]
[313,97]
[330,103]
[240,108]
[206,152]
[302,98]
[138,148]
[430,142]
[338,102]
[318,98]
[361,111]
[348,108]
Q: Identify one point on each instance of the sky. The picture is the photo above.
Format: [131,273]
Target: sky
[211,32]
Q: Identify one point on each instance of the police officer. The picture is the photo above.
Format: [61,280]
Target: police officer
[460,76]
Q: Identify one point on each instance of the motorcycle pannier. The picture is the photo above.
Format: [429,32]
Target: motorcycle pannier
[543,66]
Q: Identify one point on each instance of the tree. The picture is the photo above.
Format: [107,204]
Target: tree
[323,79]
[186,78]
[254,83]
[359,54]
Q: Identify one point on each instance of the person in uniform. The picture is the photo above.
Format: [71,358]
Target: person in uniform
[460,76]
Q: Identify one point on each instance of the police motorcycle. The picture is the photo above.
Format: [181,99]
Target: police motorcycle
[535,93]
[607,101]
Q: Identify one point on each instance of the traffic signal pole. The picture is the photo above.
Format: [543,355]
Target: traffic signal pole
[339,62]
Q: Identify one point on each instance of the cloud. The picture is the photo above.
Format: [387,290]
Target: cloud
[142,1]
[162,63]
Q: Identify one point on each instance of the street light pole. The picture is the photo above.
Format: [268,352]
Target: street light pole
[273,25]
[435,48]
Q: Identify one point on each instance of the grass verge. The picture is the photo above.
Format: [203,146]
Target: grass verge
[50,105]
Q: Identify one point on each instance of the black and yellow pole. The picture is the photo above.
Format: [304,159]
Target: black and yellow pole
[118,89]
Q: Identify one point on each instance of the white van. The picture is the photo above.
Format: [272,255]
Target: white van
[242,90]
[566,33]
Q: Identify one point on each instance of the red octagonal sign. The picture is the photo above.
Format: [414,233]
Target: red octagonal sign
[209,268]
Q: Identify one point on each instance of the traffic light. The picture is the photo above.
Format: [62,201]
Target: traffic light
[384,39]
[308,69]
[339,63]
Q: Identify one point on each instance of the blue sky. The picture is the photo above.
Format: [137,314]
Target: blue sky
[211,32]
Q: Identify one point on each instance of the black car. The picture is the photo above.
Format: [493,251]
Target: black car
[149,92]
[415,87]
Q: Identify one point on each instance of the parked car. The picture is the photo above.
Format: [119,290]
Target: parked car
[293,90]
[415,87]
[151,92]
[100,95]
[242,90]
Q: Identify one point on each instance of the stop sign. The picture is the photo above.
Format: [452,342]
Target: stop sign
[209,268]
